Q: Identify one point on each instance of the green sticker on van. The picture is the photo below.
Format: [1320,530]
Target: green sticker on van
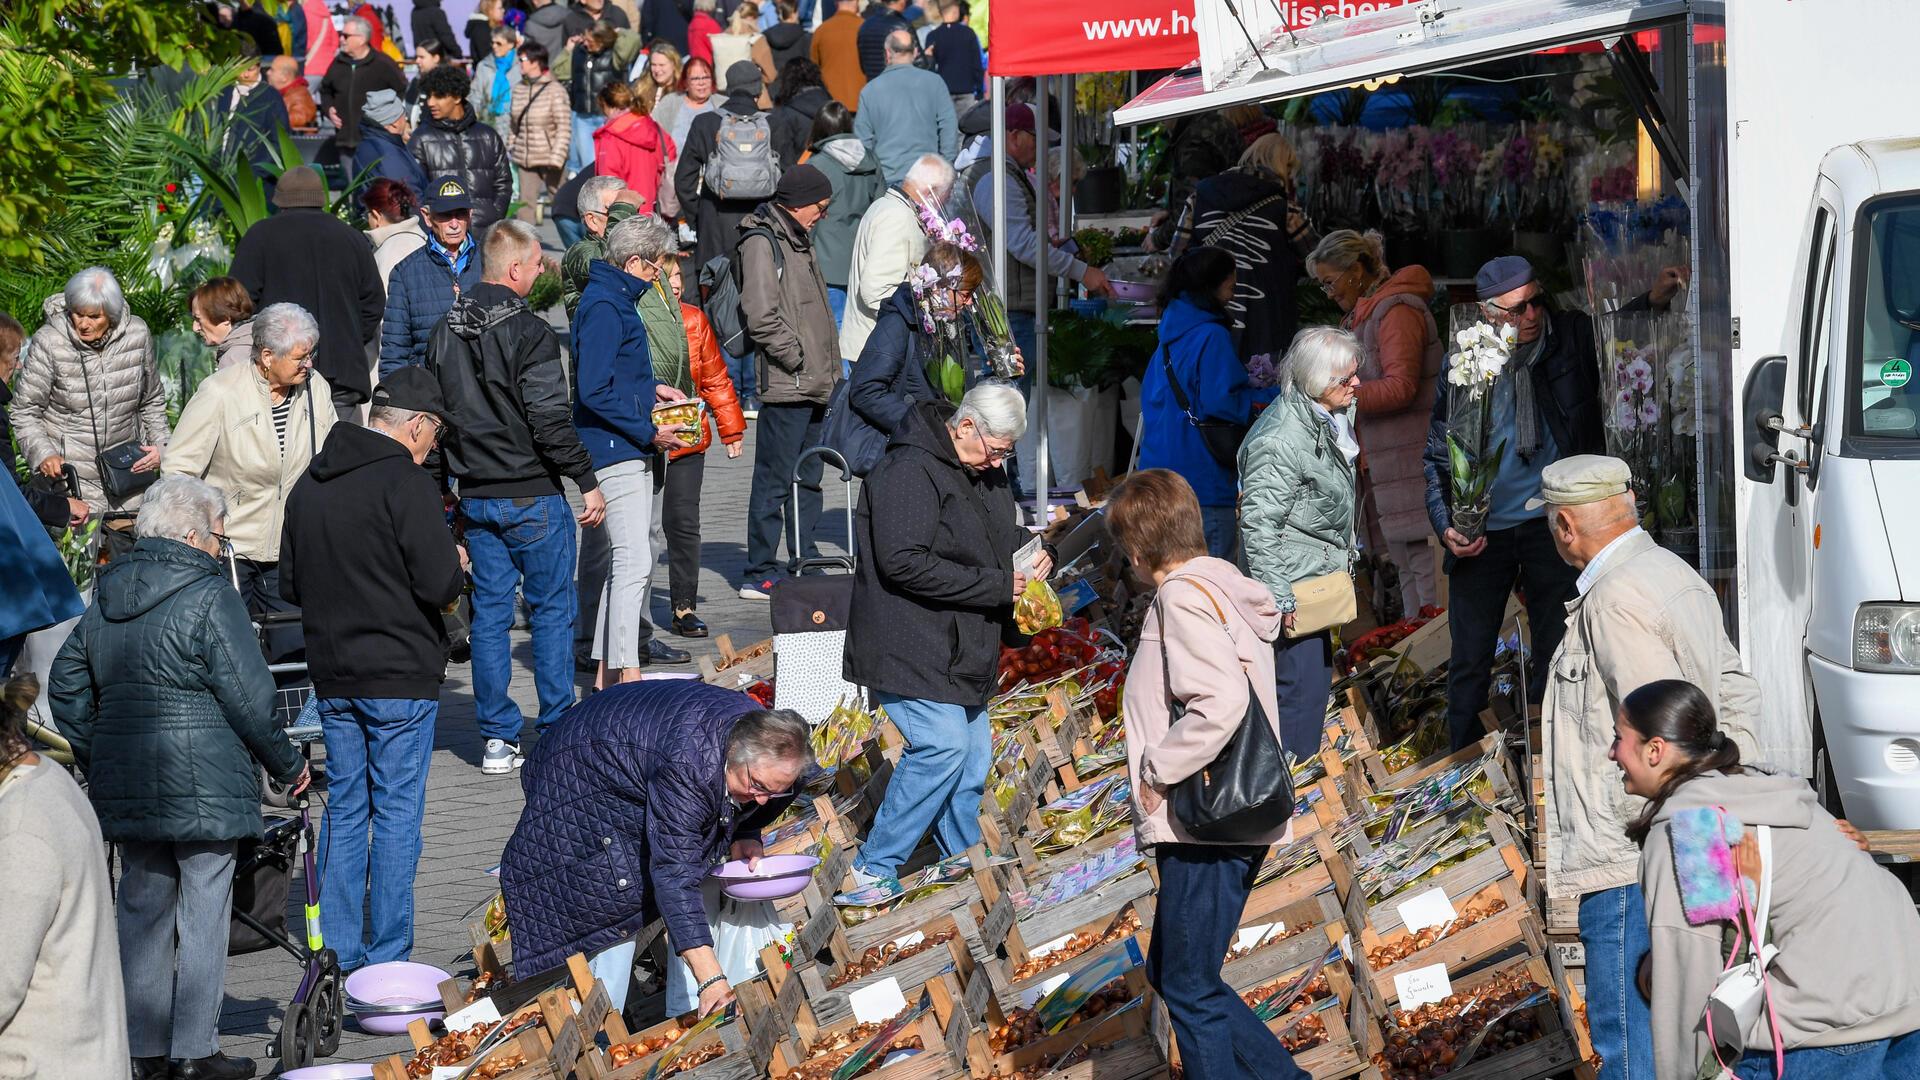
[1895,373]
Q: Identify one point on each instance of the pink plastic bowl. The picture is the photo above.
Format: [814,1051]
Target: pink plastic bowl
[780,875]
[391,984]
[342,1071]
[1136,292]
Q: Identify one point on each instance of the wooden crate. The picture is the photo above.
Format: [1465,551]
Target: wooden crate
[1121,1038]
[844,813]
[1321,912]
[738,669]
[1331,872]
[946,1034]
[734,1063]
[1505,859]
[1515,928]
[1348,1024]
[1008,828]
[1001,922]
[571,1014]
[1555,1053]
[826,994]
[1017,951]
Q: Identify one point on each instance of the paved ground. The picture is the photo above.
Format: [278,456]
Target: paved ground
[469,816]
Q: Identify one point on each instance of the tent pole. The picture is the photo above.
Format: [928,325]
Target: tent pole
[1067,119]
[999,224]
[1042,293]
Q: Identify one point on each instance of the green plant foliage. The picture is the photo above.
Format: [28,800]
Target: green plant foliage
[546,291]
[62,63]
[1095,353]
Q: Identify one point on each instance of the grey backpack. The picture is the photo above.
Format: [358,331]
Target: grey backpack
[743,164]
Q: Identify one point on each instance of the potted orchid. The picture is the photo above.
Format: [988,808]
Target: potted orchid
[934,298]
[1481,356]
[989,310]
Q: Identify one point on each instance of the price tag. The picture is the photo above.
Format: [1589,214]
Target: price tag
[1430,908]
[483,1011]
[448,1072]
[1034,993]
[1039,951]
[910,940]
[878,1003]
[1423,986]
[1251,936]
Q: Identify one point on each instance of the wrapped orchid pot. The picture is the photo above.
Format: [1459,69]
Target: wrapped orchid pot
[989,313]
[1480,359]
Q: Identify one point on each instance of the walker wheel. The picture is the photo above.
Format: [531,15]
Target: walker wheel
[298,1038]
[327,1005]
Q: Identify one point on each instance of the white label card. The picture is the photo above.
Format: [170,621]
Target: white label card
[448,1072]
[1251,936]
[1423,986]
[1430,908]
[910,940]
[878,1003]
[1039,951]
[480,1012]
[1033,994]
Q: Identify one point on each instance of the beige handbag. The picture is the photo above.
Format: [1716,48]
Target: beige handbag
[1321,603]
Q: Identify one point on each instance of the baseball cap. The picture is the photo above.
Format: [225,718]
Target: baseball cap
[1581,479]
[1020,118]
[446,195]
[412,388]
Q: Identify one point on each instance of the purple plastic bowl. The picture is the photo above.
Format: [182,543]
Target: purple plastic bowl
[396,983]
[779,876]
[341,1071]
[1136,292]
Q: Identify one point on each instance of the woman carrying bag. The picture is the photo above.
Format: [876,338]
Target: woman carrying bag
[1844,1003]
[1296,514]
[1202,675]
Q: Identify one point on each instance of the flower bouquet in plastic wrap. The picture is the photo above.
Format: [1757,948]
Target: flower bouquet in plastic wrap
[1647,389]
[989,312]
[1480,358]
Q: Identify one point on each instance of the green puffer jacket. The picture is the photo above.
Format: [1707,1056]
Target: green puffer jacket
[168,703]
[1296,498]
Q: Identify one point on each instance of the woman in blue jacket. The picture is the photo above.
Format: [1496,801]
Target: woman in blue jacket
[1196,363]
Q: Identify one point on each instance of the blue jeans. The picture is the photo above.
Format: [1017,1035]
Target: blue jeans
[580,149]
[938,783]
[527,543]
[378,750]
[1203,889]
[837,303]
[1613,926]
[1898,1057]
[1221,525]
[746,386]
[571,231]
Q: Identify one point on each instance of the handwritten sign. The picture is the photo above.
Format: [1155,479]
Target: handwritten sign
[1045,948]
[483,1011]
[1251,936]
[1430,908]
[1423,986]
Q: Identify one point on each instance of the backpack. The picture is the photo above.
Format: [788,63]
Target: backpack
[742,165]
[720,285]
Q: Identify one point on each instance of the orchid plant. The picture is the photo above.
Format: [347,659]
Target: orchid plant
[1481,357]
[936,298]
[990,311]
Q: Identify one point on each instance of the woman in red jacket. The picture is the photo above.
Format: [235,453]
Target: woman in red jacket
[632,147]
[680,499]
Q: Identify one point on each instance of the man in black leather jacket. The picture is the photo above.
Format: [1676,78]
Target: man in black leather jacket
[1558,415]
[455,143]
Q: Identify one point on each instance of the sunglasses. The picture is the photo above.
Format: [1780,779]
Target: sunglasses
[1537,300]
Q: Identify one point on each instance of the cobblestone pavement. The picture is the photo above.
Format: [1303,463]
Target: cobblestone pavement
[470,816]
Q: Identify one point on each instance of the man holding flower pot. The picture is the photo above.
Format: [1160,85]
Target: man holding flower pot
[1543,407]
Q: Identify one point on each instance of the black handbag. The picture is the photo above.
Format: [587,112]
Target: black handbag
[115,463]
[1247,792]
[1222,437]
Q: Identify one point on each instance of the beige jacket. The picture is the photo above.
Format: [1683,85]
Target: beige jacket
[226,438]
[76,400]
[1213,665]
[886,248]
[1647,616]
[542,123]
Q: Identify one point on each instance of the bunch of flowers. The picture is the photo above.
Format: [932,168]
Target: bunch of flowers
[935,297]
[990,311]
[1457,180]
[939,229]
[1401,175]
[1647,380]
[1261,370]
[1481,356]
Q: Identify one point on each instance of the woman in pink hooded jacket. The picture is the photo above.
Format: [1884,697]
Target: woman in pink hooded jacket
[1215,628]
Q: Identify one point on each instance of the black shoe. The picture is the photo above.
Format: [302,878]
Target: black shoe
[687,624]
[659,652]
[151,1068]
[217,1067]
[585,664]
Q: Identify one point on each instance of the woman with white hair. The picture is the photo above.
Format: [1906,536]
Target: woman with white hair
[88,392]
[168,703]
[1296,513]
[937,531]
[252,430]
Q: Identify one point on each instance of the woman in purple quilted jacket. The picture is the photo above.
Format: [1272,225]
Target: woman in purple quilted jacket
[632,797]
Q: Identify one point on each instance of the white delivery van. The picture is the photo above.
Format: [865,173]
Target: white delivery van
[1789,127]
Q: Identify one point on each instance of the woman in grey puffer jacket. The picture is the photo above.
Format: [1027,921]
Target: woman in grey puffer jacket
[87,384]
[1297,485]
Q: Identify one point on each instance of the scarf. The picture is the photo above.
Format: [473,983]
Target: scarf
[502,99]
[666,338]
[1526,413]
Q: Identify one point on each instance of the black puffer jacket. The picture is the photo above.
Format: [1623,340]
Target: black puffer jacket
[511,421]
[168,703]
[892,370]
[473,152]
[592,72]
[933,595]
[792,123]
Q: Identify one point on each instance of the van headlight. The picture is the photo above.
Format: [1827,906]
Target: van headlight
[1886,637]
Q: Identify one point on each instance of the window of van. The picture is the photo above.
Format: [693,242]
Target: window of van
[1883,410]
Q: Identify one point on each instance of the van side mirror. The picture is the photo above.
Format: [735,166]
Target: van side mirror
[1760,402]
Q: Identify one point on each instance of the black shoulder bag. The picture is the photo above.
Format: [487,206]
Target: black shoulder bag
[115,463]
[1222,437]
[1247,792]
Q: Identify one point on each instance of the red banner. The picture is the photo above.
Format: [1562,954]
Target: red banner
[1053,37]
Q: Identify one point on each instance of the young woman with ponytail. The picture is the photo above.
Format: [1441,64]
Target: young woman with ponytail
[1845,987]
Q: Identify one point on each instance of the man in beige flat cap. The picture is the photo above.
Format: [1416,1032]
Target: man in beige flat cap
[1641,615]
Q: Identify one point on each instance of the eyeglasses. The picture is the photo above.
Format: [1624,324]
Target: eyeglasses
[995,455]
[759,790]
[221,539]
[1328,287]
[1537,300]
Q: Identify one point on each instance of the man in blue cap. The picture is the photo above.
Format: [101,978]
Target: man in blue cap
[424,285]
[1547,407]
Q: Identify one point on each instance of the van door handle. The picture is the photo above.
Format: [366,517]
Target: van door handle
[1791,460]
[1776,422]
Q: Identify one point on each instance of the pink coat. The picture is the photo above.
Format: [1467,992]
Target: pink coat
[1220,626]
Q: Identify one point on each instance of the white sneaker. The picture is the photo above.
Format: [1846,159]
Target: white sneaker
[502,757]
[750,414]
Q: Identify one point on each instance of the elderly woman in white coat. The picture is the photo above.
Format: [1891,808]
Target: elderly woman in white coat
[87,384]
[251,430]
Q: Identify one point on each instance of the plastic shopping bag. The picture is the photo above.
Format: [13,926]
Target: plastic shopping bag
[741,928]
